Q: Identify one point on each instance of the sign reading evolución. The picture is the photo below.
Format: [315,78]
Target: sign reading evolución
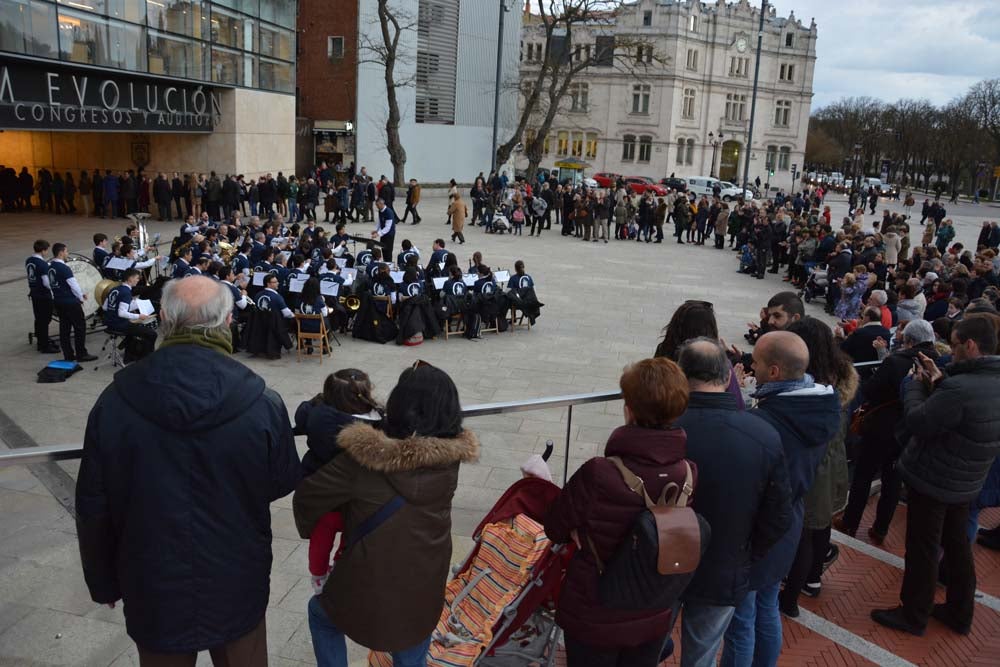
[37,96]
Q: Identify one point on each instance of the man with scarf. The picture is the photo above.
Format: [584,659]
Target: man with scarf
[806,416]
[182,456]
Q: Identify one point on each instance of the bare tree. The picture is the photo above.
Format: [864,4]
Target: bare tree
[562,62]
[385,52]
[984,98]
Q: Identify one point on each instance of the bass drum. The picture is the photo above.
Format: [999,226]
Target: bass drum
[88,277]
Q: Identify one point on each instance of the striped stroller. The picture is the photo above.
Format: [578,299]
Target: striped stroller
[500,606]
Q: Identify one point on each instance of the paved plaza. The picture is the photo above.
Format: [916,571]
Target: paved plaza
[605,305]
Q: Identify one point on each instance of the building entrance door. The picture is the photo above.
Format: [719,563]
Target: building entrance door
[729,163]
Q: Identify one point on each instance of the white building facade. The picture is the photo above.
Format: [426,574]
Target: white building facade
[683,106]
[447,58]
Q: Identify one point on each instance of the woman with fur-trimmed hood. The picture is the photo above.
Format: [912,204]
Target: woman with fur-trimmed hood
[394,488]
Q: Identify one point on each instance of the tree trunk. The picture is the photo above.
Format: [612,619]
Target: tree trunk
[397,154]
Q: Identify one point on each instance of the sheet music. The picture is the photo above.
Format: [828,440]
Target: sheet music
[278,240]
[349,276]
[296,284]
[342,263]
[144,306]
[439,283]
[258,278]
[119,263]
[502,276]
[397,277]
[329,288]
[469,280]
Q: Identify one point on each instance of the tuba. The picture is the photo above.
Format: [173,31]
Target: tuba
[351,304]
[226,251]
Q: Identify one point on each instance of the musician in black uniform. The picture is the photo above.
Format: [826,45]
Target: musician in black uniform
[68,299]
[520,279]
[101,252]
[240,302]
[119,318]
[37,268]
[199,266]
[408,250]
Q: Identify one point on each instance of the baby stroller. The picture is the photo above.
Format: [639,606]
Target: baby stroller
[500,606]
[500,224]
[817,282]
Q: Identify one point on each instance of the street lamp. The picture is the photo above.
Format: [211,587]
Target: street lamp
[715,147]
[857,163]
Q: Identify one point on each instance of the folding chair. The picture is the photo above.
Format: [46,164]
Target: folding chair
[303,336]
[459,321]
[518,320]
[113,355]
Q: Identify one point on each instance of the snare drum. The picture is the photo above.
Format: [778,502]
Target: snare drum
[87,276]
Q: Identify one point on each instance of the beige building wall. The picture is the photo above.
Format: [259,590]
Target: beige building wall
[255,136]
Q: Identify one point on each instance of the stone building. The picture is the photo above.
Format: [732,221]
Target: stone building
[676,98]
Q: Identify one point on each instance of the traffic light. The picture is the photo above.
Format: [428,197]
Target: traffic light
[771,173]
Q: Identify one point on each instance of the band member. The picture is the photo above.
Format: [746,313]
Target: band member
[259,248]
[455,285]
[408,250]
[486,283]
[270,299]
[241,263]
[372,267]
[312,303]
[119,318]
[240,301]
[386,230]
[365,256]
[67,298]
[520,279]
[40,294]
[101,252]
[439,253]
[382,285]
[199,267]
[131,253]
[183,262]
[189,229]
[413,284]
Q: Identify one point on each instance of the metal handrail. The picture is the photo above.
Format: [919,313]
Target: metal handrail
[32,455]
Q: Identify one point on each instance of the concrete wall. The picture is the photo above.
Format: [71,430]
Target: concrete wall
[256,135]
[437,153]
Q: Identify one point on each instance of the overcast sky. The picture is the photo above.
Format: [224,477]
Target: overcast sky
[890,49]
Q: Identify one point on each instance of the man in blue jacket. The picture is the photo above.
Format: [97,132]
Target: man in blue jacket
[806,416]
[183,454]
[743,493]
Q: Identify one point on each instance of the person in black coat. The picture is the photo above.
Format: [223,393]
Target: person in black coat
[879,448]
[953,430]
[173,494]
[859,346]
[743,493]
[161,195]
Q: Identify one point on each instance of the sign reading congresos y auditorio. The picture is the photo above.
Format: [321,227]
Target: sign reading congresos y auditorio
[51,96]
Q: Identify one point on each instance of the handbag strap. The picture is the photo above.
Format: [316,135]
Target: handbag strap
[381,515]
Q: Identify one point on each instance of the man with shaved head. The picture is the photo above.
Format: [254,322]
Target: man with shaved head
[183,454]
[806,416]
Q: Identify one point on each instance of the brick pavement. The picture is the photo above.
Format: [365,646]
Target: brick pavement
[605,307]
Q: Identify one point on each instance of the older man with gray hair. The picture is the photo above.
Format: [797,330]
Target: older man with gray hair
[743,492]
[183,454]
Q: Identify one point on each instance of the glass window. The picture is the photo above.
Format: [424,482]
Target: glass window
[789,39]
[628,148]
[591,144]
[126,10]
[782,113]
[692,59]
[680,151]
[579,93]
[784,158]
[96,6]
[176,56]
[281,12]
[578,144]
[688,109]
[180,16]
[127,45]
[232,30]
[769,160]
[275,75]
[227,66]
[562,147]
[645,148]
[278,43]
[545,145]
[689,158]
[647,18]
[28,28]
[640,98]
[83,38]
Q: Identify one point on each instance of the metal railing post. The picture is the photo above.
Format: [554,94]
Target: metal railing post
[569,432]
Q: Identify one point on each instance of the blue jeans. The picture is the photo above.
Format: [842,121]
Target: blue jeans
[702,628]
[330,646]
[754,635]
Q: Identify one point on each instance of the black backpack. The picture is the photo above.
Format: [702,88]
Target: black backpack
[659,555]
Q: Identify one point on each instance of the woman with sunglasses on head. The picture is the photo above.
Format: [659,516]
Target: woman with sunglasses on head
[394,487]
[694,319]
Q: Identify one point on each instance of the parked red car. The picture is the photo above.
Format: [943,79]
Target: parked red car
[605,179]
[640,184]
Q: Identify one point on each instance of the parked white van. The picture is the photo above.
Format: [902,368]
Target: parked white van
[705,185]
